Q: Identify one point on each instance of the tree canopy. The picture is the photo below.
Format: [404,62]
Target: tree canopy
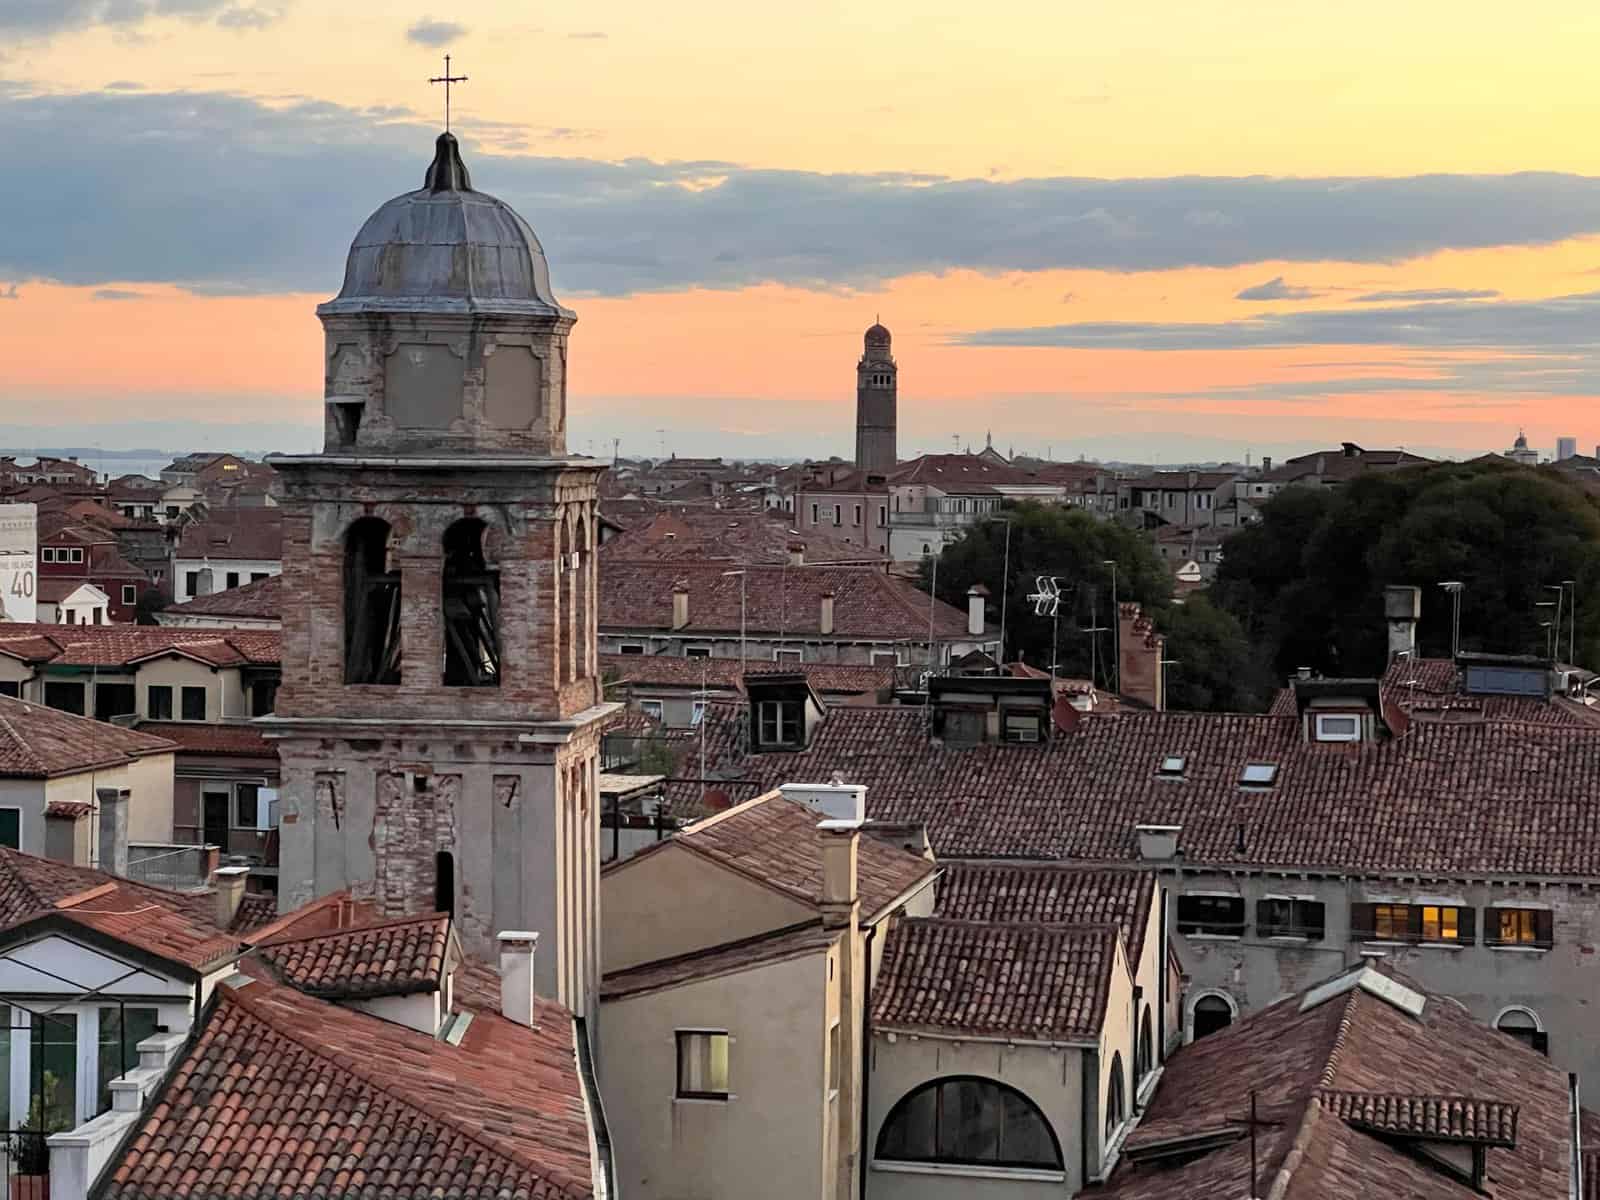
[1306,582]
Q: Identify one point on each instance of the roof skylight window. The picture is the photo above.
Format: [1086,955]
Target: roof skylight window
[1259,775]
[1172,766]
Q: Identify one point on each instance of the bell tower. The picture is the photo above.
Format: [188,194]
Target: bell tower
[440,713]
[877,387]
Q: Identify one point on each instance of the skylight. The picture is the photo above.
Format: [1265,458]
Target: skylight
[1172,765]
[1259,774]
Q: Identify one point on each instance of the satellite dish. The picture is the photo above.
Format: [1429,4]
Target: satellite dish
[1063,715]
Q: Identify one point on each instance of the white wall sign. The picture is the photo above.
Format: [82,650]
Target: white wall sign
[19,562]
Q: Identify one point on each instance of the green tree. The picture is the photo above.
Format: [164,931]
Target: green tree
[1307,581]
[1215,668]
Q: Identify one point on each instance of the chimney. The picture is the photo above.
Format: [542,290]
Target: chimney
[797,554]
[976,595]
[840,843]
[680,604]
[833,801]
[1266,463]
[516,975]
[826,619]
[1402,605]
[229,885]
[113,829]
[1140,650]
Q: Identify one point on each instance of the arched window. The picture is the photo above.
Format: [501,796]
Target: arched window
[1523,1024]
[471,609]
[1211,1013]
[1116,1098]
[969,1121]
[444,882]
[371,605]
[1144,1057]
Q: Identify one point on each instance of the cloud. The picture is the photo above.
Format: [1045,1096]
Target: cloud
[45,18]
[9,292]
[435,33]
[117,294]
[265,197]
[1277,289]
[1421,294]
[589,36]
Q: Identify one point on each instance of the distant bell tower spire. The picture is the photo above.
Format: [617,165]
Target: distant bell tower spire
[877,390]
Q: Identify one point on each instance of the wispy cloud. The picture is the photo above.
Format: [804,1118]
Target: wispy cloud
[45,18]
[592,35]
[437,34]
[9,292]
[1417,295]
[117,294]
[1277,289]
[614,228]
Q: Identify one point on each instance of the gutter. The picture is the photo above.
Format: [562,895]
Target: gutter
[600,1146]
[862,1152]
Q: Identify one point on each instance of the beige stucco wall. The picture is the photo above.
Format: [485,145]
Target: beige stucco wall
[149,783]
[671,901]
[1050,1077]
[768,1139]
[28,796]
[224,695]
[1117,1038]
[12,671]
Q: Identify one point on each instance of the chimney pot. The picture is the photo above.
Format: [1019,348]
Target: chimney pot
[229,884]
[113,829]
[797,554]
[826,618]
[680,605]
[516,975]
[841,842]
[976,595]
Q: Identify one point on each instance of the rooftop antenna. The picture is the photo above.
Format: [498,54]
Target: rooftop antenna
[447,79]
[1046,599]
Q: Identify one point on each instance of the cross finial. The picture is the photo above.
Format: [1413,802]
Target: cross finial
[447,79]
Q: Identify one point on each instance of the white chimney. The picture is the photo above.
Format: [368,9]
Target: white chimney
[516,975]
[835,801]
[680,605]
[229,884]
[977,594]
[797,554]
[826,619]
[1402,608]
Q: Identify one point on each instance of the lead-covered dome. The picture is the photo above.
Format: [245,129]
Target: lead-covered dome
[446,248]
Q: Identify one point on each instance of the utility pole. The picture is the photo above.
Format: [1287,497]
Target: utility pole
[1005,593]
[743,576]
[1560,589]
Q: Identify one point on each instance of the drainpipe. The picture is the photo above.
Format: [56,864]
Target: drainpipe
[1161,983]
[866,1055]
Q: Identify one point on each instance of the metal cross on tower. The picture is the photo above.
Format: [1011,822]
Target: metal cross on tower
[447,79]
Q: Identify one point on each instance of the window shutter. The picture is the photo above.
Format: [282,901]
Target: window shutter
[1315,919]
[1363,920]
[1541,1042]
[1414,921]
[1544,927]
[1467,925]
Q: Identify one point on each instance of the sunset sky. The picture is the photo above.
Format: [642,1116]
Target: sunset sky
[1153,231]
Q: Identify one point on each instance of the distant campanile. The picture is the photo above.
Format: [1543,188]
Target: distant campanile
[876,388]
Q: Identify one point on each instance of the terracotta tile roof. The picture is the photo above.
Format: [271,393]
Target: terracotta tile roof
[385,958]
[868,604]
[221,740]
[1039,982]
[1338,466]
[727,673]
[961,473]
[1341,1087]
[1433,689]
[143,917]
[732,538]
[68,809]
[1049,893]
[775,841]
[255,910]
[37,742]
[1207,481]
[725,959]
[261,600]
[1455,799]
[121,645]
[233,534]
[393,1113]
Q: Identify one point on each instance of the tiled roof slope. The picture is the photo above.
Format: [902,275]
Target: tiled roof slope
[1038,982]
[30,885]
[222,740]
[868,604]
[234,534]
[255,910]
[1048,893]
[125,911]
[120,645]
[284,1096]
[37,742]
[1444,798]
[262,600]
[727,537]
[727,673]
[386,958]
[775,841]
[724,959]
[1336,1084]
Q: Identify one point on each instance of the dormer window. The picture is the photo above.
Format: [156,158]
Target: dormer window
[1172,766]
[1338,727]
[1022,727]
[1258,775]
[780,723]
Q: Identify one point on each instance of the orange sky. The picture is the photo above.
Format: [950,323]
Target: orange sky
[1041,89]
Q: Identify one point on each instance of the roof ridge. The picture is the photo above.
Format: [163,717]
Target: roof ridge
[1336,1051]
[1297,1151]
[432,918]
[384,1082]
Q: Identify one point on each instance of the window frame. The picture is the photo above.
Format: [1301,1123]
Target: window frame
[1319,729]
[659,705]
[184,694]
[1298,925]
[683,1037]
[788,654]
[935,1160]
[150,691]
[1539,923]
[697,651]
[784,717]
[1385,924]
[1212,928]
[130,594]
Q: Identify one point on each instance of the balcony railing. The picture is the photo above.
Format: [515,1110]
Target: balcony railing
[24,1165]
[175,867]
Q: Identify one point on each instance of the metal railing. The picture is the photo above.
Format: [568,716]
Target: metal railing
[176,867]
[24,1165]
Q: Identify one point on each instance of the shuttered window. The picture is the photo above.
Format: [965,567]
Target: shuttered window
[1443,924]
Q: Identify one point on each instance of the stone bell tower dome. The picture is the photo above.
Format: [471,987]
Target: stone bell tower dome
[439,718]
[446,334]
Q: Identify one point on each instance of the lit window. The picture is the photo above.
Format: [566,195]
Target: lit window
[702,1065]
[1522,927]
[1440,924]
[1172,766]
[1259,775]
